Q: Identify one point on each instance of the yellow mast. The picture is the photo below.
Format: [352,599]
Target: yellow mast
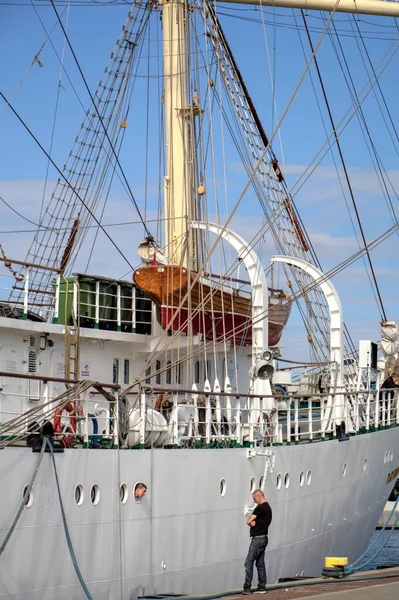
[177,186]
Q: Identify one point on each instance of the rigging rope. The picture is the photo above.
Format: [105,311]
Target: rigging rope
[348,182]
[101,120]
[64,178]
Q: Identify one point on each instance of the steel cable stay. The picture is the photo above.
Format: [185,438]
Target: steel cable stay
[98,114]
[59,86]
[348,338]
[347,117]
[63,177]
[378,165]
[348,182]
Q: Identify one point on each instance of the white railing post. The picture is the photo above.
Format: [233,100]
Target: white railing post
[76,301]
[288,421]
[218,409]
[115,421]
[175,412]
[251,404]
[26,294]
[208,420]
[296,419]
[238,421]
[134,309]
[310,417]
[194,397]
[57,298]
[143,412]
[368,406]
[377,411]
[97,306]
[118,308]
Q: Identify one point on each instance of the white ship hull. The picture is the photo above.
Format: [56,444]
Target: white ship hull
[184,537]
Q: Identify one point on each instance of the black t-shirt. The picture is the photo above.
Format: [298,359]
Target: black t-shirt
[263,514]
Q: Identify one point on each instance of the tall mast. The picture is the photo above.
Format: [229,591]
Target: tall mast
[177,190]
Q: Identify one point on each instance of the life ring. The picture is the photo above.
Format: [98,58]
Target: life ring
[67,439]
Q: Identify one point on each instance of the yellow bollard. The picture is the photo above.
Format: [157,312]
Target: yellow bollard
[335,561]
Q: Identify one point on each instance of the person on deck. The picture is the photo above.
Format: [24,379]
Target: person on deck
[258,523]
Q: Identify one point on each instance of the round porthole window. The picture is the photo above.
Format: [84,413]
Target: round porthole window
[123,493]
[28,496]
[301,478]
[308,477]
[286,481]
[261,480]
[344,470]
[365,464]
[222,487]
[252,485]
[95,494]
[278,481]
[79,494]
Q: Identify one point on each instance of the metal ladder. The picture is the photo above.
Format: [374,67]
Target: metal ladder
[72,335]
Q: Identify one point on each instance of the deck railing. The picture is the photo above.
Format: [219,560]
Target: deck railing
[161,416]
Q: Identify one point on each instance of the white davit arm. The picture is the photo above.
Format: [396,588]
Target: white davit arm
[364,7]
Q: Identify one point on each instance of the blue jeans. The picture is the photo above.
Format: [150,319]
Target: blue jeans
[256,554]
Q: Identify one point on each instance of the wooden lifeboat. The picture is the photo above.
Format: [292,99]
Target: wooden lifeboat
[211,308]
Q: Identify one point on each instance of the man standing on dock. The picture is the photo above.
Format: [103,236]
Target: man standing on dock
[258,523]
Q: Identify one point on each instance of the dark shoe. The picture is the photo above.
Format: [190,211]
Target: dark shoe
[260,590]
[246,592]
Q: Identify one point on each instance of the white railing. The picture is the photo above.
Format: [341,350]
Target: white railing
[208,419]
[81,415]
[185,419]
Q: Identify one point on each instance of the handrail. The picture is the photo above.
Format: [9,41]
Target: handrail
[113,386]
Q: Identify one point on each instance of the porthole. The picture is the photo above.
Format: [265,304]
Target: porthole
[302,573]
[222,487]
[385,457]
[392,455]
[95,494]
[79,494]
[344,469]
[278,481]
[139,491]
[301,478]
[123,493]
[252,485]
[365,464]
[308,476]
[28,496]
[286,481]
[261,480]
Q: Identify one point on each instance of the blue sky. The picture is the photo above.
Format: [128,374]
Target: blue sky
[93,31]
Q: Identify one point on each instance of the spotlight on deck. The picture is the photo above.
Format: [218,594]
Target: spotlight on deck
[262,369]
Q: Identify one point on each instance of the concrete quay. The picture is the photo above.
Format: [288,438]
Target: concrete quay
[376,585]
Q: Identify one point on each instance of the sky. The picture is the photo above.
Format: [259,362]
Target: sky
[271,55]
